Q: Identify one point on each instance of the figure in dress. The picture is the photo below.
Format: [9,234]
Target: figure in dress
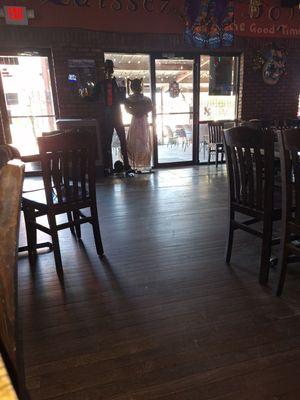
[139,142]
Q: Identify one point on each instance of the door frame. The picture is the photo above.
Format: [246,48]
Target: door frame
[196,57]
[196,65]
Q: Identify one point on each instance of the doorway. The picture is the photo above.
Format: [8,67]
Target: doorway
[28,99]
[187,91]
[218,95]
[173,97]
[128,66]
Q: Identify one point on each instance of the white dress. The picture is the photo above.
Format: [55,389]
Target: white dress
[139,140]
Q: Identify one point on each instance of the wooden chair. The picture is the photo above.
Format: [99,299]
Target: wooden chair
[68,166]
[289,145]
[58,132]
[215,143]
[249,158]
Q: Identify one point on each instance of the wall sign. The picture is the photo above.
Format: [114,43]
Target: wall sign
[270,20]
[15,15]
[252,18]
[147,16]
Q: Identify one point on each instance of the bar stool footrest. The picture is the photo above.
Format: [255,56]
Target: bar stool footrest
[38,246]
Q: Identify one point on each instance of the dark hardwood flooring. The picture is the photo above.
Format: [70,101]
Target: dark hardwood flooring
[162,316]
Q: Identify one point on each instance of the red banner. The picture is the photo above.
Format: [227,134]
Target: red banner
[268,20]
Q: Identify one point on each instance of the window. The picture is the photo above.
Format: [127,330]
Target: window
[218,91]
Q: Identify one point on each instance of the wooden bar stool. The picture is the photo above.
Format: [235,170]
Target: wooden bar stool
[215,142]
[250,160]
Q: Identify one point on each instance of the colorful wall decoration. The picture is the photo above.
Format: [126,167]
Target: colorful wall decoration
[209,23]
[272,62]
[266,18]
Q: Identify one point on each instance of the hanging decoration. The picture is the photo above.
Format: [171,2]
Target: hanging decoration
[174,89]
[209,23]
[255,8]
[272,62]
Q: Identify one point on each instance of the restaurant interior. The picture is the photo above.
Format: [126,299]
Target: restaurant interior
[149,200]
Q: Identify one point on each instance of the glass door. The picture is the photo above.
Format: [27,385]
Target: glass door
[28,99]
[218,82]
[173,112]
[129,66]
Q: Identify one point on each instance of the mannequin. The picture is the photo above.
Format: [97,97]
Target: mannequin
[139,141]
[111,97]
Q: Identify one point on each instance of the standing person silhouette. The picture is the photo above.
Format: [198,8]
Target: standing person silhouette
[111,97]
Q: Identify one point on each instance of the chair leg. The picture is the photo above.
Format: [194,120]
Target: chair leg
[283,267]
[96,230]
[265,253]
[76,216]
[281,280]
[29,216]
[217,156]
[55,242]
[229,243]
[209,151]
[70,219]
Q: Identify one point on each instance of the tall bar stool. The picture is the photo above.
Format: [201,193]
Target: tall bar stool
[250,159]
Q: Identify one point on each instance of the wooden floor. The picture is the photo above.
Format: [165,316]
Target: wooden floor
[162,316]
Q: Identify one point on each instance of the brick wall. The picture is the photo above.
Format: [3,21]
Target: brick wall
[257,100]
[69,103]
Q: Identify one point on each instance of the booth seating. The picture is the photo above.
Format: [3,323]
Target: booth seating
[11,182]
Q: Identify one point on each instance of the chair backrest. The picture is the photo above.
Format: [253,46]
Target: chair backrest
[249,158]
[289,142]
[68,166]
[215,130]
[51,133]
